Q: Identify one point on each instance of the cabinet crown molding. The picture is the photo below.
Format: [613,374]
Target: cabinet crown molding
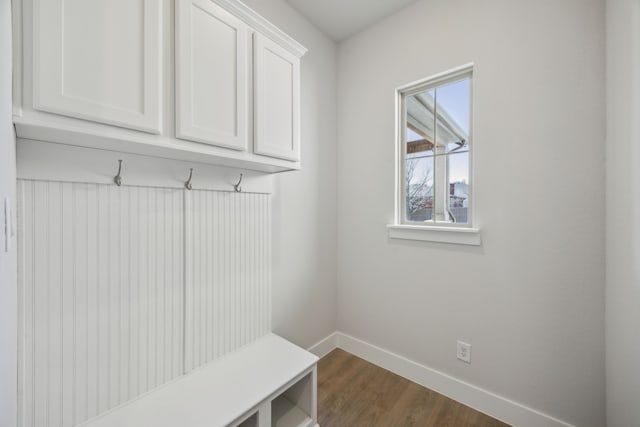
[259,23]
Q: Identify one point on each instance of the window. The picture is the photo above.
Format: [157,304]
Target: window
[434,154]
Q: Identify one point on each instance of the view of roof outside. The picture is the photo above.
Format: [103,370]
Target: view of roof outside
[437,154]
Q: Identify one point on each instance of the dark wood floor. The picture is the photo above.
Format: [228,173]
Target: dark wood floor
[355,393]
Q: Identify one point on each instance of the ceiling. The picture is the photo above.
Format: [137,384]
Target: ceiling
[340,19]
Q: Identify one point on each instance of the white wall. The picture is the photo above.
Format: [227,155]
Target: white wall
[8,297]
[531,299]
[623,211]
[304,203]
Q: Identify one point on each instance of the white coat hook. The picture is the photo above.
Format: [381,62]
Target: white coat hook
[118,179]
[237,186]
[187,184]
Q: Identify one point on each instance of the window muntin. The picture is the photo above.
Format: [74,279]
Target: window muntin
[435,142]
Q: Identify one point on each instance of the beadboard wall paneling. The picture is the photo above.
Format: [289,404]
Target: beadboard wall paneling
[101,297]
[228,272]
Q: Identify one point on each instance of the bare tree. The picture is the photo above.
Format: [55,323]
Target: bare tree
[418,190]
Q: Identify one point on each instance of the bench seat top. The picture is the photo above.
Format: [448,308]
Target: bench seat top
[218,393]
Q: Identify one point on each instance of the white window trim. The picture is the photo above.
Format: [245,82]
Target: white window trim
[440,234]
[464,234]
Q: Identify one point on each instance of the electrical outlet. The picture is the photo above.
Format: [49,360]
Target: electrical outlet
[464,352]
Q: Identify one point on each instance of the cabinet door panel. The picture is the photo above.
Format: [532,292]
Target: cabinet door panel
[100,60]
[277,100]
[211,75]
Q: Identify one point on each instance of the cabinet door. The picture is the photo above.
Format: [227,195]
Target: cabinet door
[211,75]
[99,60]
[277,100]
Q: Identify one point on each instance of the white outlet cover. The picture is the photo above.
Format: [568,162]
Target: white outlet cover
[464,352]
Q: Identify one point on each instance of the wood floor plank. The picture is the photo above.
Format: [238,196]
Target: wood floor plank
[355,393]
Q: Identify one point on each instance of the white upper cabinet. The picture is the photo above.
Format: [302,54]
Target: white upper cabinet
[99,60]
[207,81]
[211,75]
[277,100]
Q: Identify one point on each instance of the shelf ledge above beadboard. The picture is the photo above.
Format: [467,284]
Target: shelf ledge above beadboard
[46,127]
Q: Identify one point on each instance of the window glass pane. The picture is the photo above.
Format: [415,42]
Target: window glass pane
[419,126]
[419,161]
[459,187]
[419,187]
[453,110]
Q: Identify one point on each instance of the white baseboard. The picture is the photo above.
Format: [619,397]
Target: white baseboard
[482,400]
[325,346]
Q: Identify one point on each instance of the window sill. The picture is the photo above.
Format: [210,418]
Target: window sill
[459,236]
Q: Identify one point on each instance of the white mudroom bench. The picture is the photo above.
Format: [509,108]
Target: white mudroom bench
[267,383]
